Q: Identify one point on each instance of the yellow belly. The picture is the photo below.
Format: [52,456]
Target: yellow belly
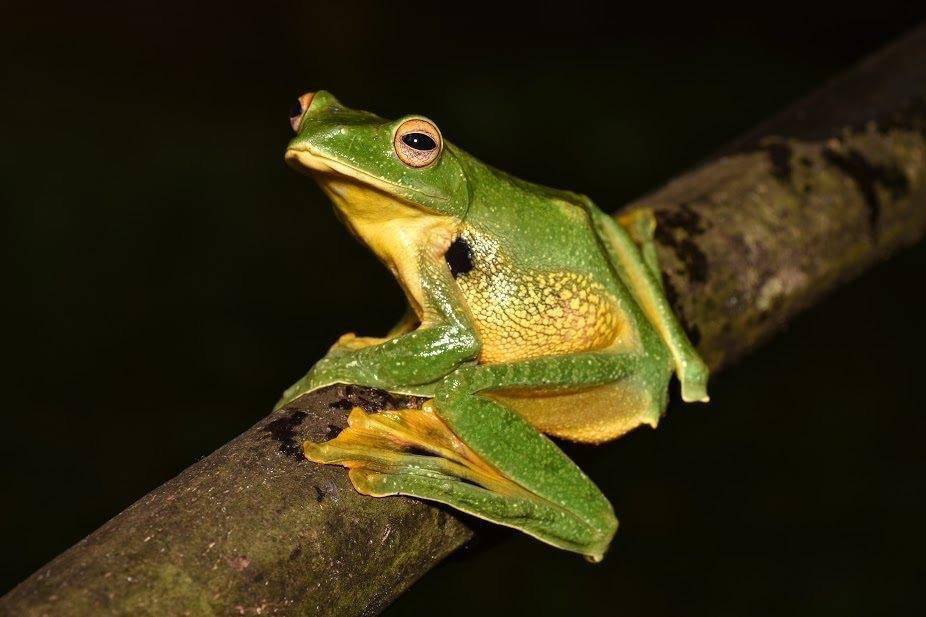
[521,315]
[591,415]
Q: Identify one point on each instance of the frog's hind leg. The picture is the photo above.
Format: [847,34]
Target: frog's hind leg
[413,452]
[642,276]
[557,502]
[477,455]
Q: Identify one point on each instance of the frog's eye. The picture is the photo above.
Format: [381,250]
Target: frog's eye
[296,113]
[417,142]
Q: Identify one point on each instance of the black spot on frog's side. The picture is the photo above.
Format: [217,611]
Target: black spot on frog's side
[459,257]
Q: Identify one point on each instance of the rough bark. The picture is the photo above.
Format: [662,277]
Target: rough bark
[748,239]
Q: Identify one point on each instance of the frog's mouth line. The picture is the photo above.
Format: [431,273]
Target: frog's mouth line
[306,160]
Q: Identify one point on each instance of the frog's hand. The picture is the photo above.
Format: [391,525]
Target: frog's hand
[411,357]
[638,273]
[404,364]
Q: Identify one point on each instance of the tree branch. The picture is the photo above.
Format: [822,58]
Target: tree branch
[752,236]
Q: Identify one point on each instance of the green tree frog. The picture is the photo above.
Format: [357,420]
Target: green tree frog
[531,313]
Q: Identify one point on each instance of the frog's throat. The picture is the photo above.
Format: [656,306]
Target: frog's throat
[399,232]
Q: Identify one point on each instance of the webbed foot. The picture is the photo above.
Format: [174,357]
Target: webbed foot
[408,442]
[413,452]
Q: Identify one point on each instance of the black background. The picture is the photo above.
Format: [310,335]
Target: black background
[169,276]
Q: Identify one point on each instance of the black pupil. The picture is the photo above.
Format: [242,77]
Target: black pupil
[296,110]
[419,141]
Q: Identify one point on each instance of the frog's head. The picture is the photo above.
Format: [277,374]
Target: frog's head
[363,161]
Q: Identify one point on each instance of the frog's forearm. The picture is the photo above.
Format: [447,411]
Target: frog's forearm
[412,359]
[399,363]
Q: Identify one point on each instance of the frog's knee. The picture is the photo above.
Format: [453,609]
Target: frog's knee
[460,382]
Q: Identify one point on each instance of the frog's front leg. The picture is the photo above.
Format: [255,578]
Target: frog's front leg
[470,451]
[406,361]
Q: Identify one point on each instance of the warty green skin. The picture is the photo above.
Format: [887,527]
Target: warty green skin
[538,229]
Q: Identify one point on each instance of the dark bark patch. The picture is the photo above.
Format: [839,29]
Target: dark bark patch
[867,177]
[283,431]
[779,155]
[677,229]
[372,400]
[342,403]
[684,218]
[695,260]
[671,293]
[332,431]
[694,334]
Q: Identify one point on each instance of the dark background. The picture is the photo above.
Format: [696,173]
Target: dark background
[169,276]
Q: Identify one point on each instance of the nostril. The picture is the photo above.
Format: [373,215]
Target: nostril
[299,108]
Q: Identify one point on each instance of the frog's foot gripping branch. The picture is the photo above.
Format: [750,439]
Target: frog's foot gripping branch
[412,452]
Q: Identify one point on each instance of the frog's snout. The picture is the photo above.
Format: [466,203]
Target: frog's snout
[299,108]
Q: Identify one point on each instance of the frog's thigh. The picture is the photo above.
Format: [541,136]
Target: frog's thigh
[638,274]
[590,414]
[468,403]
